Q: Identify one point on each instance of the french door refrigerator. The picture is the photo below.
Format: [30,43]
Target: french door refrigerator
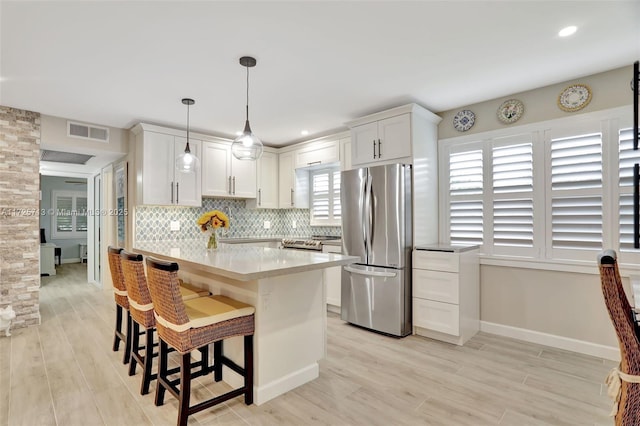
[376,225]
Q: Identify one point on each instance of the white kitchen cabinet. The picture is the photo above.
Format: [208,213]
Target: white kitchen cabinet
[345,154]
[157,180]
[293,185]
[317,153]
[267,182]
[332,280]
[382,140]
[446,293]
[223,175]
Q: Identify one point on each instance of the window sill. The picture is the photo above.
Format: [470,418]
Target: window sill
[573,266]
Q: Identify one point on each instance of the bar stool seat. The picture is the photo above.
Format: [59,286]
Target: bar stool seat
[141,309]
[193,324]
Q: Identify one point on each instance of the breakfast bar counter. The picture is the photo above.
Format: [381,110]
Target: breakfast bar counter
[287,289]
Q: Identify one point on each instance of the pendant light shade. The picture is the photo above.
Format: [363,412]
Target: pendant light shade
[247,146]
[187,162]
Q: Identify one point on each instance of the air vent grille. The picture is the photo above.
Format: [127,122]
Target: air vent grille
[86,131]
[64,157]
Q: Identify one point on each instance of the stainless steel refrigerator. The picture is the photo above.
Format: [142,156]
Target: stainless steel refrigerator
[376,225]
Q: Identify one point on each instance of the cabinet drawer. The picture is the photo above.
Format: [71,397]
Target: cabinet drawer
[436,260]
[436,316]
[435,285]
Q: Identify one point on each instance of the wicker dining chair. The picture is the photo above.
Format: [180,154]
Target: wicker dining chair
[141,309]
[627,375]
[122,304]
[192,324]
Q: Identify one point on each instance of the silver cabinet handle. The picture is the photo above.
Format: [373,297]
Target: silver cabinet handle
[177,192]
[292,197]
[374,148]
[314,162]
[234,185]
[229,185]
[259,197]
[379,151]
[171,192]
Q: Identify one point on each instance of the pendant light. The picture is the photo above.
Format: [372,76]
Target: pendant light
[247,146]
[187,162]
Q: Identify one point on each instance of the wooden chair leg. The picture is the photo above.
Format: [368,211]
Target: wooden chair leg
[185,389]
[217,360]
[148,362]
[135,345]
[162,372]
[248,369]
[118,329]
[204,360]
[127,339]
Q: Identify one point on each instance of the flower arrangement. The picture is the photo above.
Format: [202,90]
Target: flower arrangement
[211,222]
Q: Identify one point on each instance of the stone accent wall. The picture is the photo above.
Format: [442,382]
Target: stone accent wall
[19,214]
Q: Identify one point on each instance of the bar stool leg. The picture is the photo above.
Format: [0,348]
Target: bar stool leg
[118,327]
[185,389]
[148,362]
[162,372]
[248,369]
[135,345]
[127,345]
[217,360]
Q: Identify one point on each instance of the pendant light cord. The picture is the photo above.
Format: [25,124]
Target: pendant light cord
[187,149]
[247,93]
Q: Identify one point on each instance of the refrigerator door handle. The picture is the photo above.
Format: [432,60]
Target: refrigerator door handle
[365,203]
[372,212]
[370,273]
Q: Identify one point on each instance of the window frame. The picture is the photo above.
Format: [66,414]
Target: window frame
[75,233]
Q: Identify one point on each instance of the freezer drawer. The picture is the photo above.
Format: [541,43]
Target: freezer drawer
[377,298]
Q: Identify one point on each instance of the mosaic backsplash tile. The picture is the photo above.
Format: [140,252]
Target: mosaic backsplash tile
[153,223]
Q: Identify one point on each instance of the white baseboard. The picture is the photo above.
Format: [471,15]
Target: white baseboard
[560,342]
[71,260]
[262,394]
[333,308]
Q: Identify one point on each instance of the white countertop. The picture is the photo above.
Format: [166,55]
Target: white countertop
[242,262]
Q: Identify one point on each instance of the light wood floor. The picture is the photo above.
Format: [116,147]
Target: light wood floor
[63,372]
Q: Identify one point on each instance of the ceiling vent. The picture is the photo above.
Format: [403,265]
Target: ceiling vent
[87,131]
[64,157]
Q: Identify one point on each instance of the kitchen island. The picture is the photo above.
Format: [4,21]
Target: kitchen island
[286,287]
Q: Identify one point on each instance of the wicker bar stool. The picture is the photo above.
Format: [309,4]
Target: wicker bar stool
[122,303]
[141,309]
[192,324]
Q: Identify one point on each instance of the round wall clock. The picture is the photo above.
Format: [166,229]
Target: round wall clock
[463,120]
[574,97]
[510,111]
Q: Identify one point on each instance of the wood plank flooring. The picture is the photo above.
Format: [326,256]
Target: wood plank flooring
[63,372]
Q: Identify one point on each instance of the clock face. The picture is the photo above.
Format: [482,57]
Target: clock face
[464,120]
[574,98]
[510,111]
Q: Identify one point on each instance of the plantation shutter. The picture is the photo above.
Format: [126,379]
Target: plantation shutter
[64,219]
[465,197]
[513,195]
[325,197]
[627,158]
[576,192]
[81,213]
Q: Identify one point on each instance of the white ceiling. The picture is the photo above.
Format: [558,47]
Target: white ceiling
[320,64]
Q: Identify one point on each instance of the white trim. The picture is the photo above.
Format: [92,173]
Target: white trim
[284,384]
[70,260]
[576,266]
[559,342]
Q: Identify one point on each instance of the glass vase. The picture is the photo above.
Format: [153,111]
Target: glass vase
[212,239]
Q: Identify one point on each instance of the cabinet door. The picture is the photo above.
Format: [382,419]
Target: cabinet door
[158,169]
[345,157]
[364,140]
[216,169]
[332,278]
[243,178]
[394,134]
[268,181]
[188,190]
[286,190]
[318,153]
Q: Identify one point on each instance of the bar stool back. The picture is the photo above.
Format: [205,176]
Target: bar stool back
[122,303]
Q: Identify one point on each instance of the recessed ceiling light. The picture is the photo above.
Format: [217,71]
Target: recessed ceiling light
[567,31]
[304,132]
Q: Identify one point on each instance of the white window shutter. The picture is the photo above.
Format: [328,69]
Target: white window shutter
[465,197]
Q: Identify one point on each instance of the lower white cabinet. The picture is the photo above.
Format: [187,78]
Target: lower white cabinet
[332,280]
[446,293]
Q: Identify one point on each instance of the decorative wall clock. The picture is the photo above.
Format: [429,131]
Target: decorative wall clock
[510,111]
[574,97]
[464,120]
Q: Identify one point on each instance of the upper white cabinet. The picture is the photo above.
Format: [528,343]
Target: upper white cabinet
[223,175]
[318,153]
[392,136]
[381,140]
[345,154]
[293,186]
[157,180]
[267,182]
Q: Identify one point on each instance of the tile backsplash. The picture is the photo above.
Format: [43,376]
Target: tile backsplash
[153,223]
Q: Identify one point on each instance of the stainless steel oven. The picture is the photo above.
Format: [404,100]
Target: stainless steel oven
[314,243]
